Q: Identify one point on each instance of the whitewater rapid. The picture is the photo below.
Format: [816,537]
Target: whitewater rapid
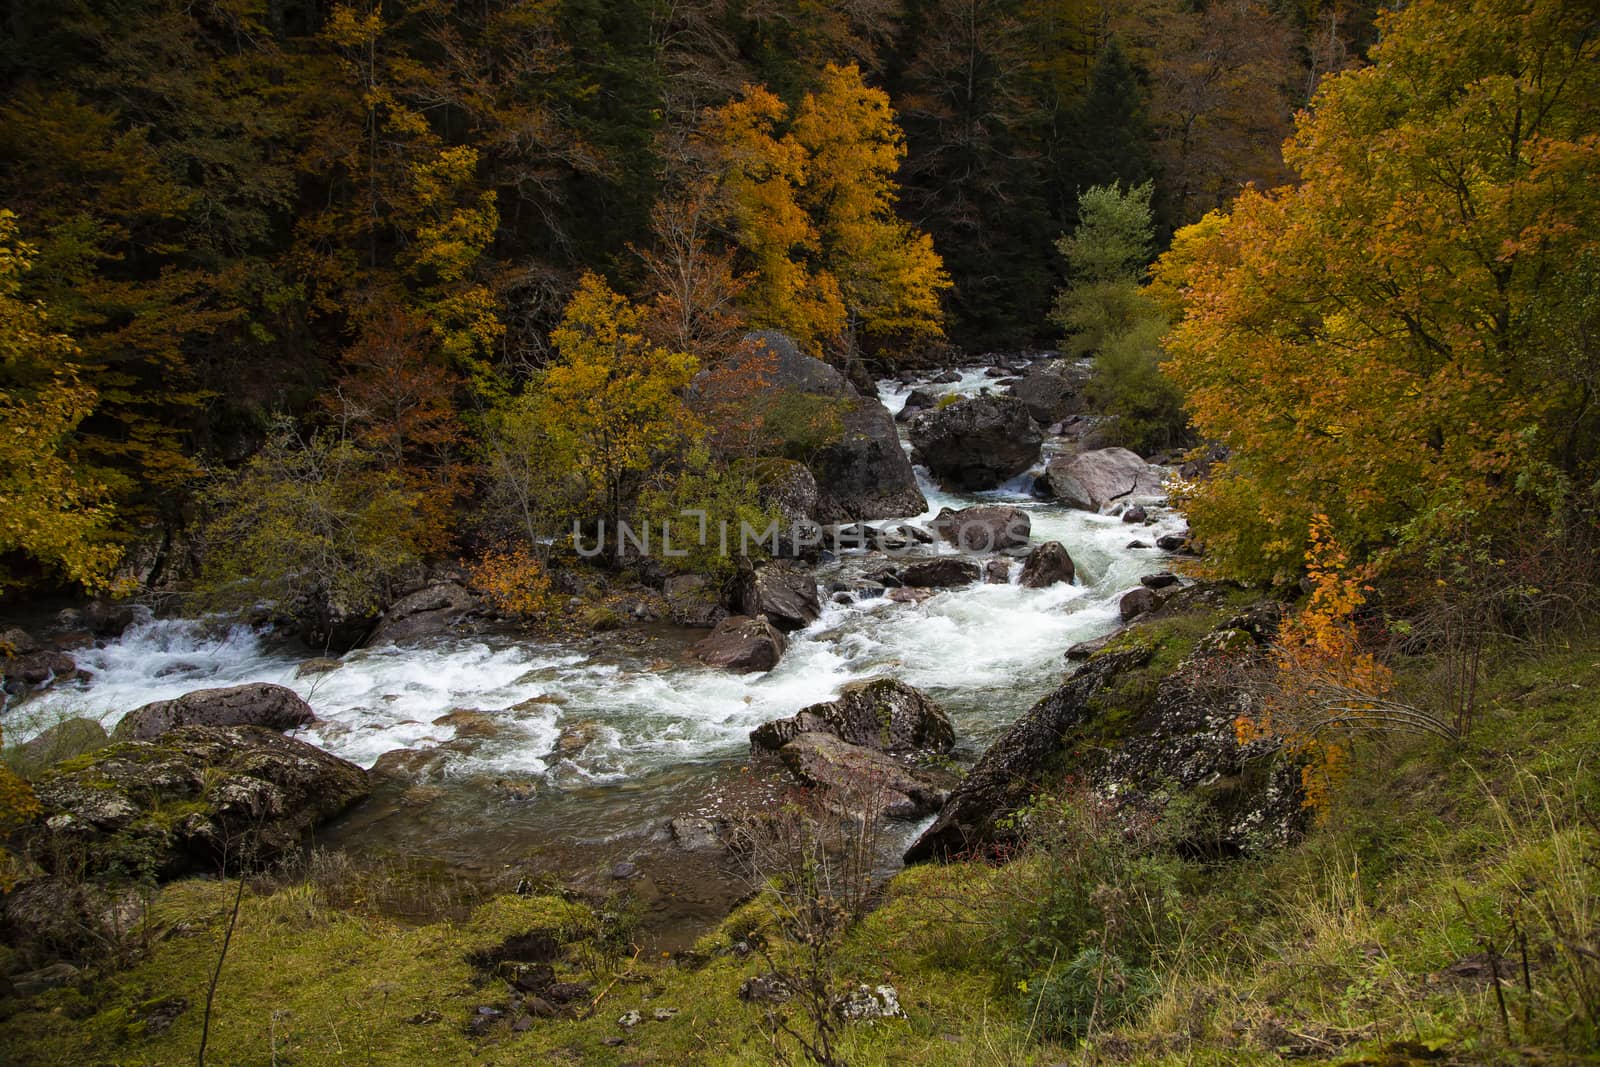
[583,717]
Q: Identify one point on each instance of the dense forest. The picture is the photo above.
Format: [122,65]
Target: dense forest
[1218,686]
[226,215]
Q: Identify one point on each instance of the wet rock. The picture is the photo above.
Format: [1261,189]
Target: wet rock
[63,741]
[910,596]
[1175,543]
[257,704]
[36,670]
[1051,391]
[320,665]
[997,572]
[330,623]
[1084,649]
[1159,581]
[941,573]
[1137,602]
[110,618]
[948,377]
[773,735]
[177,802]
[575,737]
[784,592]
[623,871]
[1047,565]
[1135,514]
[742,644]
[880,713]
[16,641]
[977,443]
[916,400]
[1092,480]
[860,779]
[984,528]
[696,833]
[470,723]
[428,612]
[1136,544]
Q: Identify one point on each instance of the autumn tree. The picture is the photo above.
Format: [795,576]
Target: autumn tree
[609,404]
[889,275]
[51,510]
[1378,342]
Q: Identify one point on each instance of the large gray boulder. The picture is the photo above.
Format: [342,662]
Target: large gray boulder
[881,713]
[1091,481]
[861,780]
[1051,390]
[977,443]
[984,528]
[940,573]
[786,486]
[861,474]
[784,592]
[257,704]
[742,644]
[426,613]
[188,800]
[1047,565]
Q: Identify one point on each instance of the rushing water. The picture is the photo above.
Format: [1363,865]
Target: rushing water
[595,742]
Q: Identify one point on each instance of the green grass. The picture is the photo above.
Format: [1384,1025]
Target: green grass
[1335,951]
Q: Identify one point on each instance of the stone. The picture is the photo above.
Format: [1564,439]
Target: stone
[1137,602]
[977,443]
[181,801]
[1174,543]
[1159,581]
[860,779]
[428,612]
[320,665]
[32,983]
[623,871]
[785,592]
[983,528]
[742,644]
[1051,390]
[916,400]
[629,1019]
[880,713]
[1084,649]
[696,833]
[785,485]
[997,572]
[1047,565]
[692,601]
[938,573]
[865,1003]
[769,988]
[1135,514]
[1091,481]
[273,707]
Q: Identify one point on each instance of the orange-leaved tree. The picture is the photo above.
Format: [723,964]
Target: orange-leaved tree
[1387,337]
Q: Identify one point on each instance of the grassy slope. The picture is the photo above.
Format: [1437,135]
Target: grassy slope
[1330,952]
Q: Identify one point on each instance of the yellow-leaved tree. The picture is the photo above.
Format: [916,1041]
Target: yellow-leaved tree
[610,403]
[761,174]
[50,510]
[1399,333]
[889,275]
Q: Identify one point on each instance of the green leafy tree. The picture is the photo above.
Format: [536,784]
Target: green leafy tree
[1106,257]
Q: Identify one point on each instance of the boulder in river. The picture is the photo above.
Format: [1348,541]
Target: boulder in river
[1090,481]
[978,442]
[862,472]
[740,643]
[784,592]
[1136,602]
[257,704]
[940,573]
[916,400]
[882,713]
[984,528]
[1047,565]
[861,780]
[1051,390]
[188,799]
[426,613]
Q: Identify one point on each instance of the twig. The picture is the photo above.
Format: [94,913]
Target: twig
[595,1003]
[216,975]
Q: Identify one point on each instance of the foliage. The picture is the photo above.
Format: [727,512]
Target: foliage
[704,507]
[309,517]
[1128,382]
[1374,341]
[610,402]
[51,509]
[514,582]
[17,806]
